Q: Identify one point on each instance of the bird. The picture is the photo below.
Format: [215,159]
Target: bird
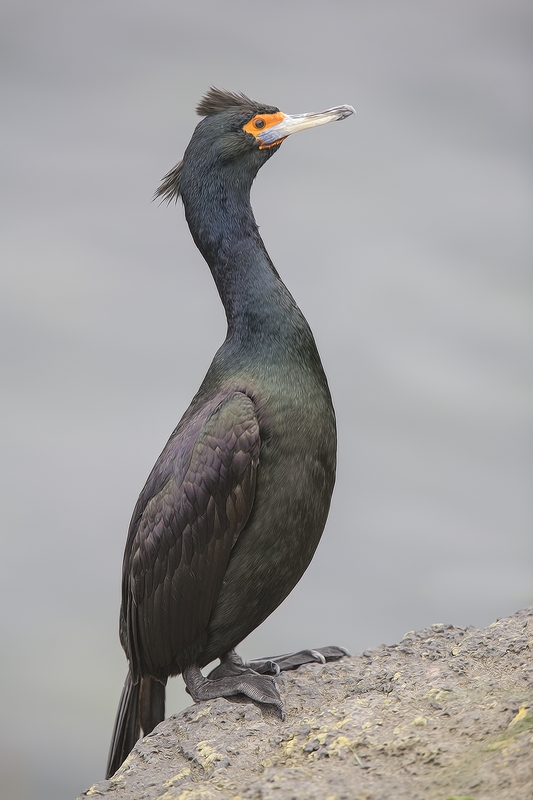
[233,510]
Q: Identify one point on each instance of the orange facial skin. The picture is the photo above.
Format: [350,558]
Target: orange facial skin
[261,122]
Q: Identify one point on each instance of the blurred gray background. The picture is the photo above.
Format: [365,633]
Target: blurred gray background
[404,234]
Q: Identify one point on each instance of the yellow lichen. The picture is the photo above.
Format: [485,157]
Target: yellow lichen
[342,723]
[203,713]
[207,755]
[497,745]
[290,746]
[200,793]
[522,714]
[341,743]
[178,777]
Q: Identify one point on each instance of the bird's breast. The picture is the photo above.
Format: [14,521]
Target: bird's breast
[295,480]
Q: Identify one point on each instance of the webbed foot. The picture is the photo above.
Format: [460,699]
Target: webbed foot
[252,678]
[261,688]
[277,664]
[233,664]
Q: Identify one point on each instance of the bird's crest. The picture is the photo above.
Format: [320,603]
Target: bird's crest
[170,185]
[213,101]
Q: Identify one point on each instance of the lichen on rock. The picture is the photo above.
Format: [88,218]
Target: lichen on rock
[447,712]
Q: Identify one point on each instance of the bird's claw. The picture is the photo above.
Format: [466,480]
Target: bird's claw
[318,656]
[265,666]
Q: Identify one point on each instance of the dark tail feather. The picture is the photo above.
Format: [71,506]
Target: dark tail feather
[127,726]
[152,704]
[142,704]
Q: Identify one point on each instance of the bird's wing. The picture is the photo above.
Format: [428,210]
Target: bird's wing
[194,507]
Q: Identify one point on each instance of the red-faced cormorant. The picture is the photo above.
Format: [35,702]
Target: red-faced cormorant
[235,505]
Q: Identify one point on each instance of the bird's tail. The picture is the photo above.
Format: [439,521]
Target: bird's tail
[142,705]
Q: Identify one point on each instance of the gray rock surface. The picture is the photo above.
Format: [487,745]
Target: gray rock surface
[447,713]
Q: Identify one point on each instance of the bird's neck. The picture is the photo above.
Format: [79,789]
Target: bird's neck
[259,307]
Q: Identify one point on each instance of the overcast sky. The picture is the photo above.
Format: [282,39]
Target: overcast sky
[404,235]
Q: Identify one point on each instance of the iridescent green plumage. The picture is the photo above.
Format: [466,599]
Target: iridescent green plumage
[234,507]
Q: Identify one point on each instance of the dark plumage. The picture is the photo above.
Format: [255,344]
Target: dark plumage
[216,100]
[235,505]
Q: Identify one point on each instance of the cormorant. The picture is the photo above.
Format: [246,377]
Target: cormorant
[235,505]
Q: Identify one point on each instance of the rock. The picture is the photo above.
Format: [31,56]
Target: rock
[446,713]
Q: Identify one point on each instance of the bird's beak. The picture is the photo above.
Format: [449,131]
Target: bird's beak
[292,123]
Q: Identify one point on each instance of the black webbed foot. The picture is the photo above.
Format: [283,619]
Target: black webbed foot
[252,678]
[277,664]
[233,664]
[261,688]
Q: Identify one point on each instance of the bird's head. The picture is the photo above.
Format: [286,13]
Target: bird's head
[238,135]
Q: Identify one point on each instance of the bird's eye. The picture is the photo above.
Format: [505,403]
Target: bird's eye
[259,123]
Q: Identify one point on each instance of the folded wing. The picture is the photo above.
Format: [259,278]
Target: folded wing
[195,504]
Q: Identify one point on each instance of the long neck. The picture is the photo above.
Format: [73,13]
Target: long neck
[259,307]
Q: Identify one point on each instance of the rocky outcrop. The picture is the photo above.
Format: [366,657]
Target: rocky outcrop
[446,713]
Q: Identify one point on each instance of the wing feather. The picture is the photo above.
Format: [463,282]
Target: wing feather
[195,504]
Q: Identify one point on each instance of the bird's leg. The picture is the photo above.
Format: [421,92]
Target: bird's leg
[261,688]
[230,664]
